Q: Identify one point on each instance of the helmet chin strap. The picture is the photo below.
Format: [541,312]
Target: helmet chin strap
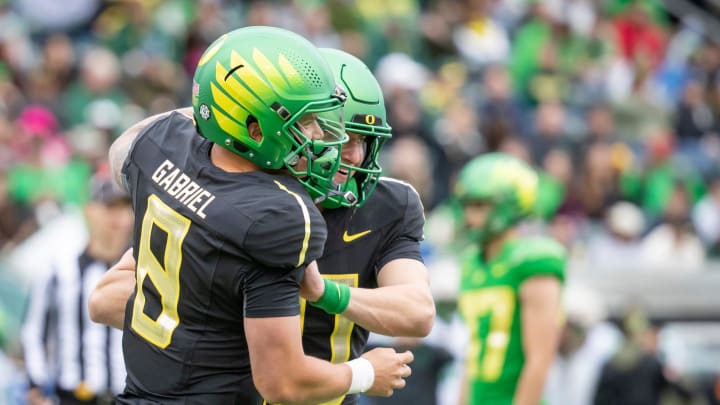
[349,196]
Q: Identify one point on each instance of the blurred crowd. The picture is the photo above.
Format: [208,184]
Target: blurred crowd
[615,102]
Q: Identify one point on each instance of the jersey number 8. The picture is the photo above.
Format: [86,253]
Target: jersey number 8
[166,279]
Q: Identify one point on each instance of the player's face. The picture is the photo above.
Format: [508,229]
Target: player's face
[476,214]
[310,127]
[353,154]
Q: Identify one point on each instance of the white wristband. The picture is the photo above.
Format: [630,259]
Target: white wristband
[363,375]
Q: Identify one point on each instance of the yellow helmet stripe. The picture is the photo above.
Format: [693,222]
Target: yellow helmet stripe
[250,78]
[292,75]
[212,51]
[226,104]
[225,122]
[237,90]
[270,71]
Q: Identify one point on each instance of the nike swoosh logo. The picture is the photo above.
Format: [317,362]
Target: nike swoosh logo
[349,238]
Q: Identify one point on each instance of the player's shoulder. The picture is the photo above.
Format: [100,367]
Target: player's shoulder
[281,202]
[536,247]
[169,135]
[538,254]
[255,195]
[172,120]
[286,229]
[396,190]
[288,192]
[393,195]
[393,202]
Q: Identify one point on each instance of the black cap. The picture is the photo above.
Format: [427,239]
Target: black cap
[105,190]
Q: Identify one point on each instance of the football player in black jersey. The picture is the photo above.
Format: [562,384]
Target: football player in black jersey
[373,244]
[221,244]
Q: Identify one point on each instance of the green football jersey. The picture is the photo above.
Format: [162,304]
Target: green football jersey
[490,306]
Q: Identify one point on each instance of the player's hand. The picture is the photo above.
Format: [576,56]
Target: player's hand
[391,369]
[312,286]
[126,262]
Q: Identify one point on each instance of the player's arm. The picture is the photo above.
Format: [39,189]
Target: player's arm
[282,372]
[280,369]
[107,301]
[541,321]
[120,148]
[402,305]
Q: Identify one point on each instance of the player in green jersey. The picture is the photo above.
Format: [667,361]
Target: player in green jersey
[510,286]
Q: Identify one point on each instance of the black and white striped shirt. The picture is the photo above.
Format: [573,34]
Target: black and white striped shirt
[63,347]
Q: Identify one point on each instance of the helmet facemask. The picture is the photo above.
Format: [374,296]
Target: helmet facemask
[361,180]
[501,215]
[317,134]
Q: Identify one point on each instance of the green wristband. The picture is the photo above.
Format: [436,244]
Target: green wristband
[335,299]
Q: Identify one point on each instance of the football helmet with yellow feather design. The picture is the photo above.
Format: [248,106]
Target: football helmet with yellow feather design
[504,183]
[279,80]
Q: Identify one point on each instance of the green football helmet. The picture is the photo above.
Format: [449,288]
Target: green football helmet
[279,80]
[507,184]
[365,115]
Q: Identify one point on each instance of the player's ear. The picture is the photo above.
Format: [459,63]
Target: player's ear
[254,130]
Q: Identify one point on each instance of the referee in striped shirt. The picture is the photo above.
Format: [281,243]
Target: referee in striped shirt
[65,352]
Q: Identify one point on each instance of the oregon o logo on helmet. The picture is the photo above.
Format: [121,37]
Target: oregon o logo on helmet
[204,111]
[370,119]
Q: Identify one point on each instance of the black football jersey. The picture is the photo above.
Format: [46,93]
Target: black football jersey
[359,243]
[212,248]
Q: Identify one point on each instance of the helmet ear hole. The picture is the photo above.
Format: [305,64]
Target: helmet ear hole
[254,129]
